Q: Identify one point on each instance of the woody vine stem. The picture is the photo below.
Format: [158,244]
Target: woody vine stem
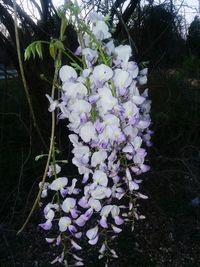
[51,151]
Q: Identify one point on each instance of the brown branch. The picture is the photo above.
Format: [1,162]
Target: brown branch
[7,20]
[24,16]
[126,16]
[37,7]
[114,8]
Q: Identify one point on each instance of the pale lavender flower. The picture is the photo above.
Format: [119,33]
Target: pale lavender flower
[123,53]
[110,47]
[50,240]
[94,17]
[101,192]
[52,168]
[122,79]
[75,245]
[47,225]
[95,204]
[92,235]
[67,74]
[100,30]
[91,56]
[64,223]
[102,74]
[100,178]
[58,184]
[68,204]
[87,132]
[98,158]
[44,189]
[104,214]
[115,214]
[117,230]
[53,103]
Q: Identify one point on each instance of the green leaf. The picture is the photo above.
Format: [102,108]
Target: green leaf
[52,50]
[40,156]
[27,53]
[58,44]
[39,49]
[144,64]
[33,49]
[63,26]
[76,66]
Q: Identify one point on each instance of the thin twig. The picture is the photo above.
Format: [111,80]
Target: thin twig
[26,88]
[44,175]
[57,66]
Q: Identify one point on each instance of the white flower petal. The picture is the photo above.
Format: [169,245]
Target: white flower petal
[67,73]
[102,73]
[68,204]
[100,178]
[101,192]
[101,30]
[92,233]
[98,158]
[58,183]
[123,52]
[93,241]
[115,211]
[87,132]
[95,204]
[106,210]
[63,223]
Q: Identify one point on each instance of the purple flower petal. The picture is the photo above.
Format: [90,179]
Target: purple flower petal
[93,241]
[78,51]
[79,263]
[58,240]
[75,245]
[49,240]
[88,214]
[83,203]
[92,233]
[47,225]
[78,235]
[85,178]
[116,229]
[99,126]
[81,221]
[72,229]
[103,222]
[63,192]
[144,168]
[132,120]
[55,260]
[118,220]
[74,213]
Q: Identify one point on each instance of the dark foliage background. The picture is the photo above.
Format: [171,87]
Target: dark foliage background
[170,234]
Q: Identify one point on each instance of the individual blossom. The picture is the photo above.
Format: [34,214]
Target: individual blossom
[122,53]
[102,74]
[67,74]
[101,30]
[92,235]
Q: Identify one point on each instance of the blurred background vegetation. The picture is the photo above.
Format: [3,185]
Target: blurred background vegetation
[170,235]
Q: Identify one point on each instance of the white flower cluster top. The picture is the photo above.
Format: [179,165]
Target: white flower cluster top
[109,122]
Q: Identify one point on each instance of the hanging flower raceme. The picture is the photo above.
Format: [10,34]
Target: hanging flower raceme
[109,120]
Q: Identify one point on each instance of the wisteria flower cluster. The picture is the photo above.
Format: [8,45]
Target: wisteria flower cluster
[109,120]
